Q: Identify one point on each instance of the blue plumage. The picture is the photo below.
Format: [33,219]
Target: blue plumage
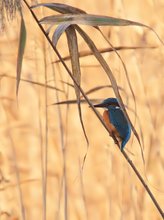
[117,119]
[121,124]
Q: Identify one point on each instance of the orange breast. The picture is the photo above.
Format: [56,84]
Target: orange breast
[112,130]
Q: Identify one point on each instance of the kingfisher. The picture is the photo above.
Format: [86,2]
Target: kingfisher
[115,120]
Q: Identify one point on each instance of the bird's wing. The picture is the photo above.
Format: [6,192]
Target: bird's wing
[119,121]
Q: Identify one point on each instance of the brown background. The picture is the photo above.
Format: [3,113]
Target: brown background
[107,188]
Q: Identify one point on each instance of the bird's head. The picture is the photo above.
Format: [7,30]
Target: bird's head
[107,103]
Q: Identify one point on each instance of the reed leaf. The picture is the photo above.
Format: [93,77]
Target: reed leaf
[76,70]
[107,50]
[61,8]
[58,32]
[88,19]
[22,43]
[93,20]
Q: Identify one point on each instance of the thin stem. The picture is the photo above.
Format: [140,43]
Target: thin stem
[143,183]
[45,156]
[63,148]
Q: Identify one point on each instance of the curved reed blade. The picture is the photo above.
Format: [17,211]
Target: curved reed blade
[93,20]
[74,101]
[107,50]
[61,8]
[32,82]
[89,19]
[97,88]
[76,70]
[22,44]
[58,32]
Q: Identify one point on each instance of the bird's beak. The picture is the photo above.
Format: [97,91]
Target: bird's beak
[101,105]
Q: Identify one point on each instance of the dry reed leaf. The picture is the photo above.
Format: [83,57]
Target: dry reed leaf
[58,32]
[32,82]
[106,50]
[76,70]
[22,43]
[93,20]
[61,8]
[95,89]
[74,101]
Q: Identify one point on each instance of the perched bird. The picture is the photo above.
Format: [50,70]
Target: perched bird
[115,120]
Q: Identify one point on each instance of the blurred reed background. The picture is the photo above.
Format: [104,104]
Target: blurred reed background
[106,188]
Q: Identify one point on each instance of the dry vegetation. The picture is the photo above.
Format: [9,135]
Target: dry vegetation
[29,125]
